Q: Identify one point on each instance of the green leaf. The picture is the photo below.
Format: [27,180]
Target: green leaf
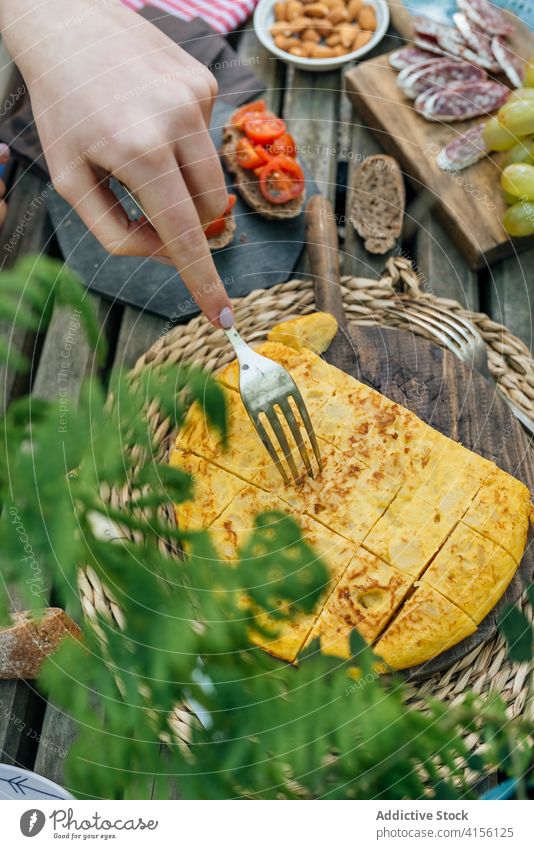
[517,631]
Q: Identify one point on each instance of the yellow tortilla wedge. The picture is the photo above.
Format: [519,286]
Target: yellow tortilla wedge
[471,571]
[501,512]
[426,625]
[365,598]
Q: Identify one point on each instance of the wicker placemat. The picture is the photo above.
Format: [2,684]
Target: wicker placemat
[367,302]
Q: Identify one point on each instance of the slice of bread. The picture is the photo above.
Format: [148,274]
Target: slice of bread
[378,201]
[248,185]
[224,238]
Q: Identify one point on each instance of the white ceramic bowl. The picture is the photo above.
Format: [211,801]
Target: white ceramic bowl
[264,19]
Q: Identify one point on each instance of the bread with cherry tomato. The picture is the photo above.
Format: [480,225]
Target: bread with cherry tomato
[262,156]
[220,233]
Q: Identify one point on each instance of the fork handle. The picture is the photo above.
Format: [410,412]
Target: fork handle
[323,251]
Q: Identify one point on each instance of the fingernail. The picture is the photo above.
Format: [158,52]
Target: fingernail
[4,152]
[226,318]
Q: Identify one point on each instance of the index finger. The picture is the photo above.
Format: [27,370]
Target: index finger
[168,205]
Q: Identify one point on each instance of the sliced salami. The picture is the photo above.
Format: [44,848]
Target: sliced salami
[477,40]
[429,27]
[428,44]
[512,64]
[408,57]
[486,16]
[461,101]
[441,74]
[463,151]
[455,45]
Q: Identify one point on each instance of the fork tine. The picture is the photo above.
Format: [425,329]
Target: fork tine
[274,421]
[448,320]
[297,436]
[273,453]
[447,336]
[443,338]
[303,413]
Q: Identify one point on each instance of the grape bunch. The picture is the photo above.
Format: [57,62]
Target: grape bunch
[512,130]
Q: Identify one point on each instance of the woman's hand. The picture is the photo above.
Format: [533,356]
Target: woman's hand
[112,95]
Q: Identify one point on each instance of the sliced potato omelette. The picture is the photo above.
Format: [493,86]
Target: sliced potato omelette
[426,625]
[365,598]
[420,535]
[471,571]
[235,524]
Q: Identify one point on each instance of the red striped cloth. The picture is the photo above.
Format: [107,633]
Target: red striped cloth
[222,15]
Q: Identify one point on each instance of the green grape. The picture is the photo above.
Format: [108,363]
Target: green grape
[519,219]
[523,151]
[518,117]
[528,79]
[521,94]
[509,199]
[497,137]
[518,180]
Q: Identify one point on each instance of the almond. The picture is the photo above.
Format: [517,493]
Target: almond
[293,9]
[280,11]
[367,18]
[281,28]
[354,8]
[317,10]
[333,40]
[300,23]
[310,34]
[321,51]
[347,34]
[299,50]
[338,15]
[361,39]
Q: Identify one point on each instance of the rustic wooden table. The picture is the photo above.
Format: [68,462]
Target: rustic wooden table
[34,734]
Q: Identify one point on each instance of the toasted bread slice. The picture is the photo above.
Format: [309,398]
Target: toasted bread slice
[224,238]
[248,185]
[378,201]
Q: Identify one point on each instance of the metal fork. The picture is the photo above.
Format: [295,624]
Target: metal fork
[265,385]
[462,338]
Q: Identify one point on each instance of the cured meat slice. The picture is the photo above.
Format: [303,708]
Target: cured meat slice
[422,99]
[463,151]
[429,27]
[454,44]
[461,101]
[512,64]
[441,74]
[477,40]
[486,16]
[408,56]
[428,44]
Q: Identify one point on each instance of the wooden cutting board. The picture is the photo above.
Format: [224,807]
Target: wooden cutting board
[469,202]
[460,404]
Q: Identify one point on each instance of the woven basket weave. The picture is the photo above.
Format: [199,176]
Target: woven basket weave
[367,302]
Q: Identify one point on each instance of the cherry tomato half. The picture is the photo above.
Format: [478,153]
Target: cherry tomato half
[215,228]
[281,179]
[283,144]
[247,155]
[249,110]
[264,129]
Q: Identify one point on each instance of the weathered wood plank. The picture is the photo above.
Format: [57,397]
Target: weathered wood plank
[510,295]
[356,260]
[26,230]
[441,268]
[66,360]
[138,332]
[264,66]
[311,112]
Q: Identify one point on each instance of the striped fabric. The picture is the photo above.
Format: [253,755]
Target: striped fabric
[222,15]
